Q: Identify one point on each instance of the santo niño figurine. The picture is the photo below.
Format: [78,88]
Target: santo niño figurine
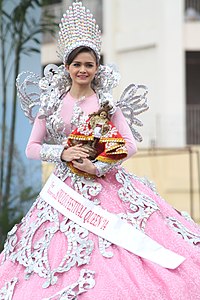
[100,137]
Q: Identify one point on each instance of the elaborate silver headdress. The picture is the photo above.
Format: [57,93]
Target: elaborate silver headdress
[78,28]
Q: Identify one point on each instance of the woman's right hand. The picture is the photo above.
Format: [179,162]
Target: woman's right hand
[74,153]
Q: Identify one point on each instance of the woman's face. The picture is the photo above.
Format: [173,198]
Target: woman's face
[83,68]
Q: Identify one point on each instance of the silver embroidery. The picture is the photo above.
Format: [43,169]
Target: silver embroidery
[33,254]
[103,245]
[103,167]
[53,85]
[147,182]
[10,243]
[51,153]
[55,127]
[133,102]
[62,171]
[85,282]
[12,240]
[78,116]
[187,235]
[7,290]
[87,187]
[141,205]
[129,218]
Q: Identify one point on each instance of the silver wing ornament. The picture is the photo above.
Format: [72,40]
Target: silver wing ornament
[45,92]
[133,102]
[29,93]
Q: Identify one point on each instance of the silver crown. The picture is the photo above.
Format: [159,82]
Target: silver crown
[78,28]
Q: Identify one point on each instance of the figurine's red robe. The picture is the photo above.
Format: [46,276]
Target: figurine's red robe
[110,147]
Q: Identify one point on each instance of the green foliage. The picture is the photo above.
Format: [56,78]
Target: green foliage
[23,25]
[21,28]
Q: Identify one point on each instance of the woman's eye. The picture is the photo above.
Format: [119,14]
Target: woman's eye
[76,65]
[89,65]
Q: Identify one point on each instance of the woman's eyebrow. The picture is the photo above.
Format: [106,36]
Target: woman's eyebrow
[87,62]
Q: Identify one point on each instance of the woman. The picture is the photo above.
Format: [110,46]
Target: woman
[82,65]
[51,256]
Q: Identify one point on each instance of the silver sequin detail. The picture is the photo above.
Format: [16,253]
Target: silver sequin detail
[85,282]
[144,180]
[103,167]
[28,93]
[53,85]
[7,290]
[87,187]
[141,205]
[78,28]
[106,79]
[78,116]
[103,245]
[10,243]
[187,235]
[12,240]
[55,128]
[33,255]
[51,153]
[133,102]
[44,92]
[62,171]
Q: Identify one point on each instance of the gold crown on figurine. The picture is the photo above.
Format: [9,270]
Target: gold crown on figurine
[78,28]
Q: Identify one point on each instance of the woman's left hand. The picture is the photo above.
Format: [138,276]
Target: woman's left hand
[85,166]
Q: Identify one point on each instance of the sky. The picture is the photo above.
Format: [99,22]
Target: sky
[31,63]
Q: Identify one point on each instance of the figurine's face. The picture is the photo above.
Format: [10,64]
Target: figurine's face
[83,68]
[103,115]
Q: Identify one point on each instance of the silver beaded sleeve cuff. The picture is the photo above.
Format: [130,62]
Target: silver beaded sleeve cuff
[51,153]
[102,167]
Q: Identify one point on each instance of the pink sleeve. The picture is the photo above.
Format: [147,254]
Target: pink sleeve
[122,126]
[36,138]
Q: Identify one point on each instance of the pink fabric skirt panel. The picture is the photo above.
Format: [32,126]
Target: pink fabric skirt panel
[46,253]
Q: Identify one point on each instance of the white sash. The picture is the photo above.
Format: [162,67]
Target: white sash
[106,225]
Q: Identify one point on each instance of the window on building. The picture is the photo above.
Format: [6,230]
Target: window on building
[192,10]
[193,97]
[193,77]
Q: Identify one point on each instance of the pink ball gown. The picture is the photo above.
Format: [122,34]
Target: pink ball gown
[48,256]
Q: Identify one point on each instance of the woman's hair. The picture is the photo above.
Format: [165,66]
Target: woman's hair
[79,50]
